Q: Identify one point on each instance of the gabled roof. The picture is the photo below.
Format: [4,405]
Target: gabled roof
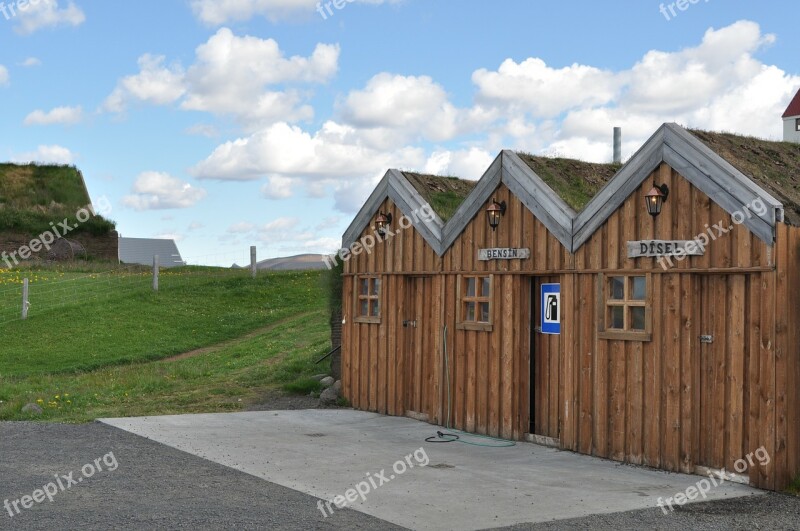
[524,183]
[794,107]
[733,171]
[142,250]
[397,187]
[775,166]
[697,163]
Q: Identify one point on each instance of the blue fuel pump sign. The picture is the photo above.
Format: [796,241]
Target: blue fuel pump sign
[551,308]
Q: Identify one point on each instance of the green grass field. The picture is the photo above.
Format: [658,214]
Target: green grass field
[98,344]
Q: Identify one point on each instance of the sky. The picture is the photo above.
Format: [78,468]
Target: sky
[230,123]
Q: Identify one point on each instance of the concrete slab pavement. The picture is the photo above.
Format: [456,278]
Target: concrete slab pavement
[326,452]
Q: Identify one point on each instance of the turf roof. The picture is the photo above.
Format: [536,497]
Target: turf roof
[775,166]
[444,194]
[575,181]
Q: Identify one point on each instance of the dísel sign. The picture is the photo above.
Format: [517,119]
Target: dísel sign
[653,248]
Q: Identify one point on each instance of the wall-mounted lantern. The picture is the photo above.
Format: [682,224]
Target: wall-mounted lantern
[495,212]
[382,222]
[656,198]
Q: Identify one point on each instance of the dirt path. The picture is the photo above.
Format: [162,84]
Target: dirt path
[235,341]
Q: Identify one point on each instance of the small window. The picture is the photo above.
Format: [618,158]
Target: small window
[368,303]
[624,312]
[797,125]
[475,306]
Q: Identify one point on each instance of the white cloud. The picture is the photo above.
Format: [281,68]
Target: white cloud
[47,14]
[59,115]
[467,164]
[195,225]
[158,191]
[232,74]
[46,155]
[218,12]
[3,76]
[243,77]
[533,86]
[333,151]
[717,85]
[155,83]
[278,187]
[30,62]
[394,109]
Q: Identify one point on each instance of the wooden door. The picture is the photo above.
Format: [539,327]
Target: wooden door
[723,358]
[419,351]
[545,388]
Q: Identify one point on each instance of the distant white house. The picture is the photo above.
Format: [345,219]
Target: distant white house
[791,121]
[142,250]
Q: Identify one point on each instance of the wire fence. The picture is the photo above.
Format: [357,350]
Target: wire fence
[52,289]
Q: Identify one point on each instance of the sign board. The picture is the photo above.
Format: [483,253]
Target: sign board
[551,308]
[653,248]
[503,254]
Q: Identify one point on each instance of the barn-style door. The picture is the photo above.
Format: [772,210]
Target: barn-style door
[419,347]
[723,346]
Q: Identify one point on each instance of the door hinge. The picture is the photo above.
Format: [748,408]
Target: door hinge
[537,329]
[706,339]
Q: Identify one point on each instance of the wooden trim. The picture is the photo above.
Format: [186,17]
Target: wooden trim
[475,327]
[724,193]
[584,271]
[478,326]
[612,196]
[357,298]
[623,335]
[367,320]
[670,144]
[603,303]
[396,187]
[538,197]
[362,219]
[698,164]
[473,203]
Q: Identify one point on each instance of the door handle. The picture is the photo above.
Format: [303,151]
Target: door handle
[408,323]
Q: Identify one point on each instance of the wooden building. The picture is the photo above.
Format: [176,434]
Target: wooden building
[581,320]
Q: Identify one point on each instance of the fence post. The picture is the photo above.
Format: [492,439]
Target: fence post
[155,273]
[253,263]
[25,302]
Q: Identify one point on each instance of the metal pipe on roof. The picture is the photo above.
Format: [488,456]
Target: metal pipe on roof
[617,145]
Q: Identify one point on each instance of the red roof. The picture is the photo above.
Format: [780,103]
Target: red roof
[794,108]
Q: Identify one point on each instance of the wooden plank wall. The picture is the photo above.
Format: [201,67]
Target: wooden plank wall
[640,402]
[787,360]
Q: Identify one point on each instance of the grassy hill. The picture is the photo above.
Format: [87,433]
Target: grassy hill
[101,344]
[32,196]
